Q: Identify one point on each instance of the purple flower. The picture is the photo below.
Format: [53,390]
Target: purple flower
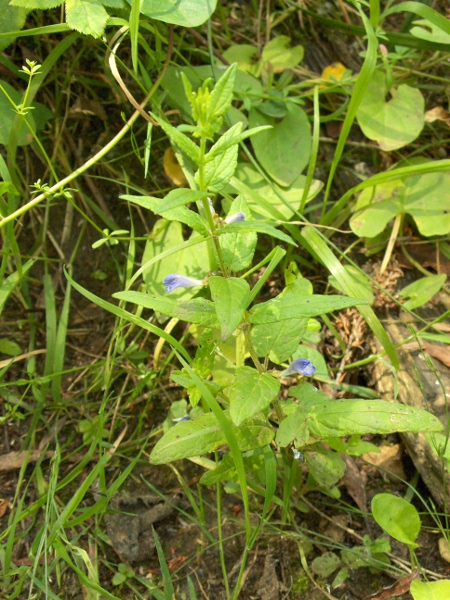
[239,216]
[301,365]
[172,282]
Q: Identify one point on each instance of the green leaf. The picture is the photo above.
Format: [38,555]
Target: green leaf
[430,590]
[36,4]
[222,94]
[325,466]
[86,16]
[360,282]
[422,290]
[218,171]
[425,30]
[13,19]
[203,435]
[425,197]
[169,237]
[180,213]
[264,198]
[230,298]
[176,198]
[10,118]
[187,13]
[337,418]
[244,55]
[280,56]
[296,306]
[280,339]
[315,357]
[325,564]
[318,247]
[183,142]
[293,429]
[238,248]
[397,517]
[257,226]
[393,123]
[251,393]
[283,151]
[198,310]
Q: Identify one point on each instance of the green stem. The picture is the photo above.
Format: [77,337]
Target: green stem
[220,536]
[100,154]
[251,349]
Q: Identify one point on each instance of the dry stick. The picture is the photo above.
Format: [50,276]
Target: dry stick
[347,355]
[88,164]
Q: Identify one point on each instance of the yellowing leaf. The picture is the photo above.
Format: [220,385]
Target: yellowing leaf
[438,113]
[172,168]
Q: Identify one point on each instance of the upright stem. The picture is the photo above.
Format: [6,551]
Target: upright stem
[207,209]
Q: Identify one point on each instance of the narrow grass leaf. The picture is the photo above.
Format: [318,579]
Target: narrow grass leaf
[130,317]
[318,247]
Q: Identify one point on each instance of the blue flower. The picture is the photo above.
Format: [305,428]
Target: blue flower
[239,216]
[172,282]
[297,454]
[301,365]
[182,419]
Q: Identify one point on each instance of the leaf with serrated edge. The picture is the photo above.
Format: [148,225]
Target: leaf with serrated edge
[86,16]
[203,435]
[222,94]
[251,393]
[230,298]
[178,138]
[293,306]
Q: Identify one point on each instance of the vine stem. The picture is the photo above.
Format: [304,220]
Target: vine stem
[101,153]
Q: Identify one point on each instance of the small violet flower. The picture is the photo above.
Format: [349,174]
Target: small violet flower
[172,282]
[301,365]
[297,454]
[239,216]
[182,419]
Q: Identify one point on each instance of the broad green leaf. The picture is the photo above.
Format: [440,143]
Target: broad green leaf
[86,16]
[198,310]
[397,517]
[187,13]
[430,590]
[296,306]
[264,198]
[244,55]
[259,226]
[425,30]
[176,198]
[280,339]
[36,4]
[218,171]
[238,248]
[13,19]
[392,123]
[203,435]
[425,197]
[230,298]
[293,429]
[280,56]
[251,393]
[347,417]
[180,213]
[422,290]
[225,471]
[325,466]
[284,150]
[187,262]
